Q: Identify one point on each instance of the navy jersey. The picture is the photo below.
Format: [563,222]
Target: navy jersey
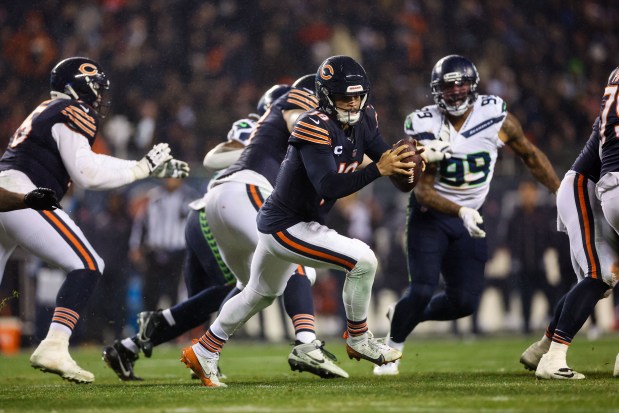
[269,139]
[320,167]
[609,125]
[33,150]
[588,162]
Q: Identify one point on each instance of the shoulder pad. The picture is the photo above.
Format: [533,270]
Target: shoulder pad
[241,130]
[302,99]
[311,127]
[81,118]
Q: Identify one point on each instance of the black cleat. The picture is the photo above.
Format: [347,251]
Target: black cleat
[148,321]
[121,360]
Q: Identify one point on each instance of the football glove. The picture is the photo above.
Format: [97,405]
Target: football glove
[471,219]
[435,150]
[172,169]
[42,198]
[156,157]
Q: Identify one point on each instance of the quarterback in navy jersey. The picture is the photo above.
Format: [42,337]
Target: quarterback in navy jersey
[52,148]
[461,133]
[593,247]
[325,148]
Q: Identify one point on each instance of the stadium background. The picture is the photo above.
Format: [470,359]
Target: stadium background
[182,71]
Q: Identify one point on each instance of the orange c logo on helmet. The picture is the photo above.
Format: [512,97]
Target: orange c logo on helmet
[88,69]
[327,72]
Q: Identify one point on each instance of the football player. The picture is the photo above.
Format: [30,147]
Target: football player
[322,154]
[206,268]
[445,233]
[39,198]
[594,257]
[607,188]
[232,204]
[52,148]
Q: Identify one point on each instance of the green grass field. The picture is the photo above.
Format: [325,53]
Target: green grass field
[437,375]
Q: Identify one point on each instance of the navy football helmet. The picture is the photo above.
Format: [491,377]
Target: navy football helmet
[454,84]
[341,76]
[81,79]
[271,96]
[307,82]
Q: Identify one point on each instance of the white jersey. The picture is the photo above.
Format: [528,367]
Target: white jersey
[464,178]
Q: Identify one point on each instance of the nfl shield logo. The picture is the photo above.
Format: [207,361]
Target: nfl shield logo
[354,153]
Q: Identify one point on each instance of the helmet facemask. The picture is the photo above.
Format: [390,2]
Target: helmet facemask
[348,116]
[455,96]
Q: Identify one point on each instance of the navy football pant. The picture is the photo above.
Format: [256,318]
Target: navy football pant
[439,244]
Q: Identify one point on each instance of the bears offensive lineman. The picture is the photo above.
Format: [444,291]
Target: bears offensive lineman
[325,148]
[607,188]
[52,148]
[594,257]
[444,234]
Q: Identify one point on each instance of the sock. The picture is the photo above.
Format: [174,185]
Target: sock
[305,337]
[167,314]
[58,332]
[357,330]
[63,323]
[209,345]
[130,345]
[299,305]
[393,344]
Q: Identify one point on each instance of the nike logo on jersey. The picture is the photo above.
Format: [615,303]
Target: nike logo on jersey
[315,121]
[84,109]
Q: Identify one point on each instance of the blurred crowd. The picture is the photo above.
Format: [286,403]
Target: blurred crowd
[183,70]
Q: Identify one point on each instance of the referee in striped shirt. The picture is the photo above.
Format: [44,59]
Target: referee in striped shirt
[157,243]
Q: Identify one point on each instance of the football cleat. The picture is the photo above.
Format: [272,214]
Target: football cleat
[220,375]
[533,354]
[121,360]
[389,369]
[52,356]
[148,321]
[314,358]
[616,371]
[552,366]
[372,349]
[204,368]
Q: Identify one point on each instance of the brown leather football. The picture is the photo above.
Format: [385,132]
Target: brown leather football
[403,182]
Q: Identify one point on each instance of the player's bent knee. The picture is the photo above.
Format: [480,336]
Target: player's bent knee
[366,265]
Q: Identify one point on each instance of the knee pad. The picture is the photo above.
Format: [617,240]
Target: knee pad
[367,264]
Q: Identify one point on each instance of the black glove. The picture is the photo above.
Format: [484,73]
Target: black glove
[41,198]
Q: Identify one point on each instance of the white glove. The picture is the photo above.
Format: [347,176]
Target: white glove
[435,150]
[156,157]
[172,169]
[472,219]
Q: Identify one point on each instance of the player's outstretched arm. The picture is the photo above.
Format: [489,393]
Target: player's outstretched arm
[511,133]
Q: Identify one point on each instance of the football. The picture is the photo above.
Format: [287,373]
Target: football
[403,182]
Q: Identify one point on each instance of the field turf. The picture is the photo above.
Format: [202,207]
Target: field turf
[437,375]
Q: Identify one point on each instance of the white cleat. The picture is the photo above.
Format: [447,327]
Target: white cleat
[52,356]
[205,368]
[313,358]
[372,349]
[616,371]
[552,366]
[389,369]
[533,354]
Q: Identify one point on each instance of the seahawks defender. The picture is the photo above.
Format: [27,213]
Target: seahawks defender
[325,148]
[207,278]
[52,148]
[594,257]
[232,204]
[444,234]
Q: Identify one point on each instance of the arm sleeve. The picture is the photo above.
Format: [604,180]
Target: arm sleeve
[322,172]
[87,168]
